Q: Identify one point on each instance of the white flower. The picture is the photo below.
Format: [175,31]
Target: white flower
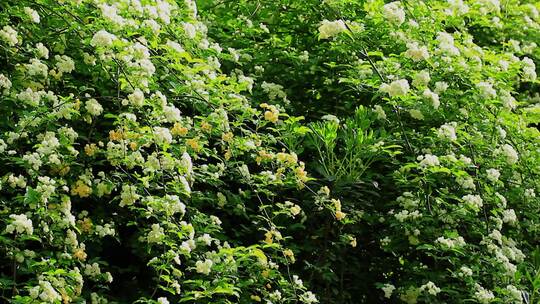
[102,39]
[42,51]
[92,270]
[431,288]
[204,267]
[172,113]
[440,87]
[416,52]
[466,182]
[509,216]
[474,201]
[329,29]
[489,6]
[515,294]
[483,296]
[388,289]
[486,90]
[37,68]
[448,131]
[162,300]
[493,174]
[450,243]
[64,64]
[421,79]
[93,107]
[136,98]
[9,35]
[446,44]
[162,136]
[128,196]
[509,153]
[189,29]
[5,83]
[308,297]
[465,271]
[396,88]
[379,111]
[433,97]
[32,14]
[173,45]
[330,117]
[206,239]
[416,114]
[529,193]
[49,294]
[457,7]
[156,234]
[428,160]
[20,224]
[394,12]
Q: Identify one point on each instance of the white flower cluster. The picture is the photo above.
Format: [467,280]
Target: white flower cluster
[428,160]
[103,39]
[129,195]
[329,29]
[529,69]
[20,224]
[156,234]
[9,35]
[388,289]
[450,243]
[484,296]
[93,107]
[162,136]
[433,97]
[486,90]
[493,174]
[466,182]
[398,87]
[416,52]
[510,154]
[448,131]
[457,8]
[446,44]
[404,215]
[421,79]
[32,14]
[430,288]
[204,267]
[473,201]
[394,12]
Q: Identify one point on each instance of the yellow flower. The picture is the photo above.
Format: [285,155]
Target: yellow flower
[193,143]
[269,237]
[295,210]
[90,149]
[353,242]
[272,116]
[289,254]
[79,254]
[116,135]
[206,126]
[226,137]
[81,189]
[86,224]
[255,298]
[133,146]
[179,130]
[340,215]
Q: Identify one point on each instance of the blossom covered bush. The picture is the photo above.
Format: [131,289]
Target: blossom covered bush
[161,151]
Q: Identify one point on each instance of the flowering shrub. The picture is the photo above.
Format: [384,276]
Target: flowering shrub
[156,151]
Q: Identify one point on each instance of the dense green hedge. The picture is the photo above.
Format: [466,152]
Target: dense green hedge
[337,151]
